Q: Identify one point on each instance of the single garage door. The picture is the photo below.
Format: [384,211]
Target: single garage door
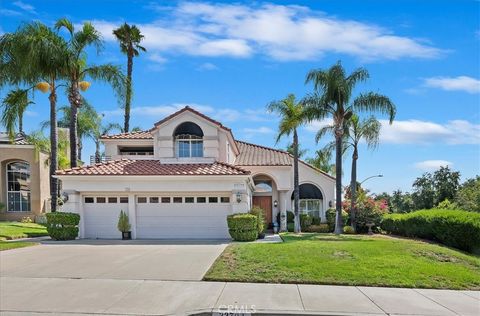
[183,217]
[101,216]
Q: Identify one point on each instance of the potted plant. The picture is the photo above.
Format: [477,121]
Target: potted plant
[124,226]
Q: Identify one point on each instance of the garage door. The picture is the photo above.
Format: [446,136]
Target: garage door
[101,215]
[183,217]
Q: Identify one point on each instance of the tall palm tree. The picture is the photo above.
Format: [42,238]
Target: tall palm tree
[129,38]
[355,130]
[35,56]
[332,97]
[78,69]
[13,107]
[322,160]
[98,132]
[292,116]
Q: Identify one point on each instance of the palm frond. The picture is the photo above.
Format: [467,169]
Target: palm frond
[111,74]
[375,102]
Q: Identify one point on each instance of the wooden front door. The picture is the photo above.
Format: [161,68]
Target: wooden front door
[265,203]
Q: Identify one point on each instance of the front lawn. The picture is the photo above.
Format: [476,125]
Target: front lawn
[348,260]
[15,230]
[7,245]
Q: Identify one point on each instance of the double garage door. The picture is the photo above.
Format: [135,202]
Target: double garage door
[160,217]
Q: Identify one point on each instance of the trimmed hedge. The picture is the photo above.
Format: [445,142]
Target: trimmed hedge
[242,227]
[320,228]
[62,226]
[331,214]
[260,214]
[305,221]
[455,228]
[290,217]
[348,230]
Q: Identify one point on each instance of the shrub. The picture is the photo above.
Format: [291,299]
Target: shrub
[447,205]
[242,227]
[455,228]
[260,214]
[2,207]
[305,221]
[26,220]
[320,228]
[348,230]
[291,227]
[123,222]
[62,226]
[316,220]
[370,211]
[331,213]
[290,217]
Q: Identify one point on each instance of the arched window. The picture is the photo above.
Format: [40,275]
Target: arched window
[188,140]
[310,199]
[18,186]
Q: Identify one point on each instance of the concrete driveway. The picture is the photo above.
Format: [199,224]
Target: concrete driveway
[125,260]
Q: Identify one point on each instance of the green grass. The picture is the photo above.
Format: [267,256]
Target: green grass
[15,230]
[348,260]
[7,245]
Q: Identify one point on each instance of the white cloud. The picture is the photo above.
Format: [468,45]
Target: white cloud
[262,130]
[460,83]
[280,32]
[207,67]
[315,126]
[432,165]
[8,12]
[24,6]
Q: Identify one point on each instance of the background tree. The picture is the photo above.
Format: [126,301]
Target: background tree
[99,130]
[78,69]
[332,97]
[34,55]
[292,116]
[322,160]
[129,38]
[401,202]
[446,183]
[301,152]
[423,192]
[13,107]
[468,195]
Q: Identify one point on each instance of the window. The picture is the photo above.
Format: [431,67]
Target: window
[101,200]
[89,200]
[18,186]
[201,199]
[165,200]
[142,199]
[213,199]
[154,199]
[123,199]
[177,199]
[225,199]
[310,207]
[189,199]
[112,200]
[263,186]
[189,146]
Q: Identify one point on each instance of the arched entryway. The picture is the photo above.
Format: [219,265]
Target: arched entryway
[311,200]
[265,195]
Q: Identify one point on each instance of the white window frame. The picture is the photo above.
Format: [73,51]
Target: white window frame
[29,192]
[190,139]
[307,210]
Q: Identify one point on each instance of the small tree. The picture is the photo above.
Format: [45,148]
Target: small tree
[123,222]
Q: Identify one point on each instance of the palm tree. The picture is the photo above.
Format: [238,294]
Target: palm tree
[129,38]
[355,131]
[98,132]
[35,56]
[332,97]
[13,107]
[292,116]
[301,152]
[77,70]
[322,160]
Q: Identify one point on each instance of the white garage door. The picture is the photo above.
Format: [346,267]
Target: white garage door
[183,217]
[101,215]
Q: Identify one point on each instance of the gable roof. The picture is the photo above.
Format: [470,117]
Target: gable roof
[124,167]
[18,139]
[130,135]
[189,109]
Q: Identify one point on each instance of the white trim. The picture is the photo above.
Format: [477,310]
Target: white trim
[20,191]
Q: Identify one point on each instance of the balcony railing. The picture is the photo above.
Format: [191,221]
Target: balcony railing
[100,159]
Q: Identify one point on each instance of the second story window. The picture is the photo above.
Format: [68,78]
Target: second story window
[188,140]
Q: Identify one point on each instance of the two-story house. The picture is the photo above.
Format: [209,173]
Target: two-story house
[182,178]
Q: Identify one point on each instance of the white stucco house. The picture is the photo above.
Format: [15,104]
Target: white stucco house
[181,179]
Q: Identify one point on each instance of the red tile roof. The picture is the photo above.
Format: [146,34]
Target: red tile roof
[155,168]
[256,155]
[131,135]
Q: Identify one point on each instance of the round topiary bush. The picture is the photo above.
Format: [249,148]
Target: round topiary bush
[348,230]
[305,221]
[242,227]
[62,226]
[331,214]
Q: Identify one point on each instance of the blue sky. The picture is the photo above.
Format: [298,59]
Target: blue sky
[229,60]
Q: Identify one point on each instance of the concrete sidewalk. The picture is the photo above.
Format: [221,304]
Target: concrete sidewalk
[20,296]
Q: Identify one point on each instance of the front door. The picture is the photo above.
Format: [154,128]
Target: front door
[265,203]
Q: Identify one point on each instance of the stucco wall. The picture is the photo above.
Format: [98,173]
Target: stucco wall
[39,184]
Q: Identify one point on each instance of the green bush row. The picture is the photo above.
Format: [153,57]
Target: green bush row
[455,228]
[242,226]
[62,225]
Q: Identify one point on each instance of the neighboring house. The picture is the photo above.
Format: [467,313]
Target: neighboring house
[182,178]
[24,183]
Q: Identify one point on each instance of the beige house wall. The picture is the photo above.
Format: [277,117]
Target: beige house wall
[39,178]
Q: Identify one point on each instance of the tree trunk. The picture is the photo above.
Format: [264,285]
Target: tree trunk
[80,147]
[338,177]
[296,188]
[97,152]
[128,96]
[20,123]
[75,102]
[53,147]
[353,189]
